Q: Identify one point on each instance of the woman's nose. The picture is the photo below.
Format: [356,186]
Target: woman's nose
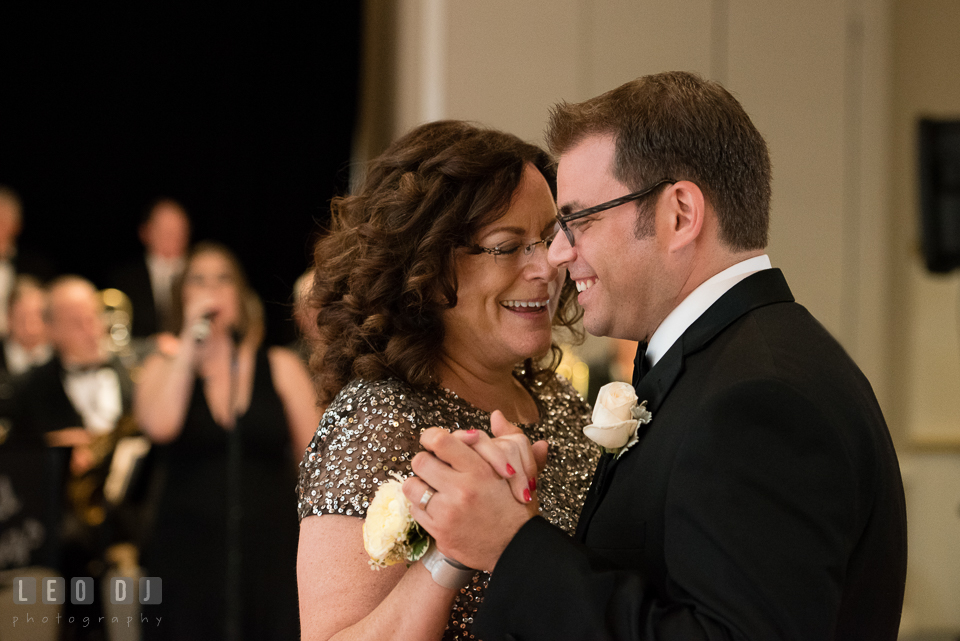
[539,267]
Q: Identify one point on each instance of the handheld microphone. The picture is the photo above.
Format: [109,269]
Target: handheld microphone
[201,329]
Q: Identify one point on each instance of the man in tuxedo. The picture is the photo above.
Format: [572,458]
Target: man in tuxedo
[10,224]
[77,399]
[13,260]
[26,344]
[79,402]
[149,282]
[763,500]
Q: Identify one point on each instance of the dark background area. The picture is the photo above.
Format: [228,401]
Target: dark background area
[245,116]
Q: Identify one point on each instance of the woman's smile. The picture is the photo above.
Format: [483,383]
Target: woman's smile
[526,307]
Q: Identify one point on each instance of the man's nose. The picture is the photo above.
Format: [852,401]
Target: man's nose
[560,252]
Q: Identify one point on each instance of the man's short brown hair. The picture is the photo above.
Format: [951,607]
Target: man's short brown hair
[679,126]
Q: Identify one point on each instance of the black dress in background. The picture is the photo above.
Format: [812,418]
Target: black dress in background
[188,548]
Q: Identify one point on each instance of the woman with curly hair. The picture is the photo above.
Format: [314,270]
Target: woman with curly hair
[437,306]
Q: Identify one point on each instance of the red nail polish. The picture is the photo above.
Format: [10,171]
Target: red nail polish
[510,470]
[526,496]
[533,485]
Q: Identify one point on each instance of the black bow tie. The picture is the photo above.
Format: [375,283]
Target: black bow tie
[86,369]
[641,364]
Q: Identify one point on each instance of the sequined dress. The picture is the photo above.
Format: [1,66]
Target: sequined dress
[372,428]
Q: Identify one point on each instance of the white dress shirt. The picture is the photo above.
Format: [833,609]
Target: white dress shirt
[699,301]
[20,359]
[7,277]
[163,272]
[96,396]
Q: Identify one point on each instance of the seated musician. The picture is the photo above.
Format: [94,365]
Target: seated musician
[80,401]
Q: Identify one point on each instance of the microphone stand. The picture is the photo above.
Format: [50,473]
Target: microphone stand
[232,590]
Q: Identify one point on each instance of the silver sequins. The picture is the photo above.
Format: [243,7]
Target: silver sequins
[373,428]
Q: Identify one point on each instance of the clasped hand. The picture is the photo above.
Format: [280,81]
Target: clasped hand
[484,489]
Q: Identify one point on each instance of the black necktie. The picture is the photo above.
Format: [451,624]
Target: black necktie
[85,369]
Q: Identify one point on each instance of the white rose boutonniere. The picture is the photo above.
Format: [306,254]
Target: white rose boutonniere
[616,417]
[390,534]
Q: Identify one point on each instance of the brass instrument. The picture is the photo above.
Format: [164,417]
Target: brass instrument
[85,487]
[118,316]
[85,491]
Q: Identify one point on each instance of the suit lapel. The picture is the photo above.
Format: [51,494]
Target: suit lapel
[597,487]
[758,290]
[652,388]
[763,288]
[60,401]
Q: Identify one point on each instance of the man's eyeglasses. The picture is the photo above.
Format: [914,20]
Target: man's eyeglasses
[563,219]
[512,252]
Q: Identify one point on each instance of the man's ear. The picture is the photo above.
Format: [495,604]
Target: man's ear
[685,209]
[143,231]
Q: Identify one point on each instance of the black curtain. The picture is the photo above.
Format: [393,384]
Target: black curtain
[243,115]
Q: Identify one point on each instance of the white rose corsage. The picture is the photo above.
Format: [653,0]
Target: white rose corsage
[390,534]
[616,418]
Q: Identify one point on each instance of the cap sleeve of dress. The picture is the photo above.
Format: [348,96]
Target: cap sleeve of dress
[369,430]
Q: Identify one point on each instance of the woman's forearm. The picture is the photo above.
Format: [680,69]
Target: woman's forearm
[163,393]
[417,609]
[342,598]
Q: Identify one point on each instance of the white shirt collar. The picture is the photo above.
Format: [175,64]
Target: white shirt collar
[699,301]
[96,396]
[163,272]
[8,276]
[165,266]
[19,359]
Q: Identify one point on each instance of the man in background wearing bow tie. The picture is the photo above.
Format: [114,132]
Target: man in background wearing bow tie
[82,392]
[79,401]
[763,500]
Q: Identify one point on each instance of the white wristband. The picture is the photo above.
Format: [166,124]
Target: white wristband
[445,571]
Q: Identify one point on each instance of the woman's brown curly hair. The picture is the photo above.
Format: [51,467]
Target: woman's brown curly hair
[385,272]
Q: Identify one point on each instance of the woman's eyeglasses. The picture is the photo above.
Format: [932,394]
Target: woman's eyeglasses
[513,252]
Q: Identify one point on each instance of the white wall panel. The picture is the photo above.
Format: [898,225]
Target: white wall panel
[927,77]
[932,485]
[785,65]
[627,39]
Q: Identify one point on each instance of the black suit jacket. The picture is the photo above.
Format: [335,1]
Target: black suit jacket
[134,281]
[42,404]
[764,500]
